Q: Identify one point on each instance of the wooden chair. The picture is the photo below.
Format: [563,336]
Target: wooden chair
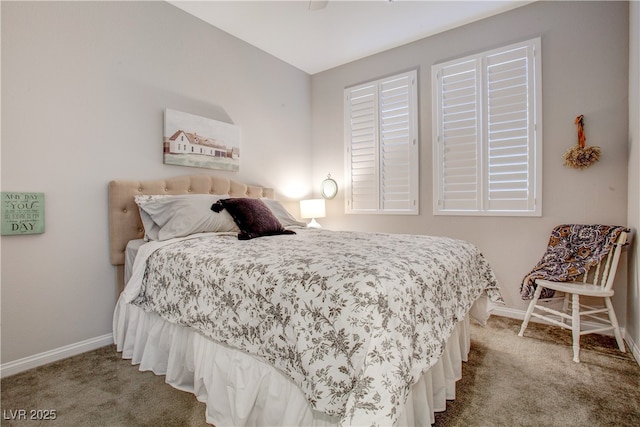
[599,284]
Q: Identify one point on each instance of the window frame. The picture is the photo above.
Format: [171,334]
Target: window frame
[383,200]
[532,204]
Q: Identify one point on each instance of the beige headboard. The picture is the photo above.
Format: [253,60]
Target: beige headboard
[124,218]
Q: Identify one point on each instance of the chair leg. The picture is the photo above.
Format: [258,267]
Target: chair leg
[614,323]
[532,306]
[565,306]
[575,326]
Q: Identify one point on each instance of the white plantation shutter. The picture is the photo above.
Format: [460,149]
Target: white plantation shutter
[381,146]
[487,133]
[363,149]
[510,130]
[460,155]
[396,143]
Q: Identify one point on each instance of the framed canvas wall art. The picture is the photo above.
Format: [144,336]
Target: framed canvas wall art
[195,141]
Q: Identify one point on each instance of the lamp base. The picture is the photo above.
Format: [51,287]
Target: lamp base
[314,224]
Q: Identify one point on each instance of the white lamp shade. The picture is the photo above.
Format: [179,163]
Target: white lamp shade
[312,208]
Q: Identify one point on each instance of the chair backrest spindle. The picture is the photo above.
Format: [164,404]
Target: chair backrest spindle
[611,263]
[596,275]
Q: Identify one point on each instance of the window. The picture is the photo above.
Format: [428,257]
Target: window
[487,133]
[381,143]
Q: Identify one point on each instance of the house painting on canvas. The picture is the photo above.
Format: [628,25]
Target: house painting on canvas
[200,142]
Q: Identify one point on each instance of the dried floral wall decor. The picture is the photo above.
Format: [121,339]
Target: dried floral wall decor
[581,156]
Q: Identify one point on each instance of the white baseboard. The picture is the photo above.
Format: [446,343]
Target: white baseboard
[519,314]
[511,313]
[20,365]
[634,347]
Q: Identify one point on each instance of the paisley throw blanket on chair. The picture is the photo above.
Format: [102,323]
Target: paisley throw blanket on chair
[572,250]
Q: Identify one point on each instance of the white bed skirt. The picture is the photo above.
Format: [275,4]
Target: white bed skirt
[242,390]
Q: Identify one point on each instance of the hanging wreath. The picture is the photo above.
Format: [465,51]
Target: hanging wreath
[581,156]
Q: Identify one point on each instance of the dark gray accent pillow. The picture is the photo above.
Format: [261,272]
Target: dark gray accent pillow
[252,216]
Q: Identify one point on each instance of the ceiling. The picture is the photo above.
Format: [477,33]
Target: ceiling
[341,31]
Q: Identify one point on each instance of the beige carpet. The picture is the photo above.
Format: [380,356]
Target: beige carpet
[533,381]
[508,381]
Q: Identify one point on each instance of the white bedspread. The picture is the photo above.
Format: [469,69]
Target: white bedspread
[353,319]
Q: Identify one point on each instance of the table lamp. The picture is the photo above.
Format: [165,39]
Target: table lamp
[312,208]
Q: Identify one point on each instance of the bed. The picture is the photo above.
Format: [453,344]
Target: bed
[272,323]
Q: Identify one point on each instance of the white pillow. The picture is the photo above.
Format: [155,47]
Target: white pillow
[283,215]
[185,214]
[151,229]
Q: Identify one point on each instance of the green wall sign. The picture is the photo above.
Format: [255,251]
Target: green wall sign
[22,213]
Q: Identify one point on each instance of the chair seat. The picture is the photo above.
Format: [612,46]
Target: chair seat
[580,288]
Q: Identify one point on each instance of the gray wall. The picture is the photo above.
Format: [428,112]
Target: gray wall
[585,71]
[633,294]
[84,87]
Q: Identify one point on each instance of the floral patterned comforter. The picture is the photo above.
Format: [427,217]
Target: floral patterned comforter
[352,318]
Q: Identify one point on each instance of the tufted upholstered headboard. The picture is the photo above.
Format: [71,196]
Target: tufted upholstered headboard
[124,218]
